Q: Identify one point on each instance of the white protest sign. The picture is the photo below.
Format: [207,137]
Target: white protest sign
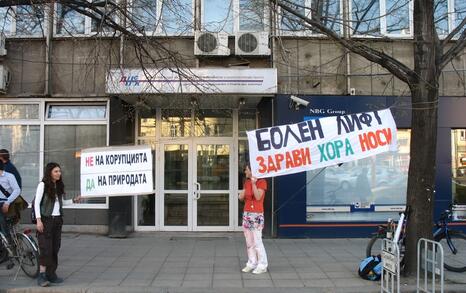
[113,171]
[313,144]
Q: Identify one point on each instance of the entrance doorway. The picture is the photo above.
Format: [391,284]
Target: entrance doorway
[196,189]
[198,154]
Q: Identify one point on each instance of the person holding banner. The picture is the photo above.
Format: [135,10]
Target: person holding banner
[253,222]
[48,205]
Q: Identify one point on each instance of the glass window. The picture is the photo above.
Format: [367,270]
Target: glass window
[441,17]
[73,112]
[243,158]
[6,15]
[108,13]
[147,123]
[397,17]
[177,17]
[379,180]
[292,23]
[213,122]
[460,10]
[366,17]
[328,11]
[29,20]
[218,15]
[146,203]
[251,15]
[63,144]
[144,15]
[22,141]
[213,166]
[176,167]
[246,121]
[69,21]
[19,111]
[458,164]
[176,122]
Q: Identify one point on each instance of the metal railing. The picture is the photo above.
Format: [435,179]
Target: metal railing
[429,265]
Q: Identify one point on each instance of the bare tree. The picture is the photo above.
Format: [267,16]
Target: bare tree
[431,55]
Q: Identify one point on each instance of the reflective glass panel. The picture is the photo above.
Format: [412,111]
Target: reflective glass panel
[29,20]
[251,15]
[328,11]
[176,167]
[22,142]
[213,210]
[397,17]
[213,166]
[243,157]
[72,112]
[177,17]
[6,15]
[458,164]
[213,122]
[144,15]
[19,111]
[290,22]
[147,123]
[69,21]
[379,180]
[218,15]
[246,121]
[109,13]
[175,210]
[366,17]
[146,210]
[441,17]
[176,122]
[460,10]
[63,144]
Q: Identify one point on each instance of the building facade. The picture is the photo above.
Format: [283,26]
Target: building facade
[75,83]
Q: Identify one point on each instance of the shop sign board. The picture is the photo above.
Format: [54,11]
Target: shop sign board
[318,143]
[192,80]
[115,171]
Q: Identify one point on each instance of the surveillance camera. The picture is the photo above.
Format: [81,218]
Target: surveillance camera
[299,101]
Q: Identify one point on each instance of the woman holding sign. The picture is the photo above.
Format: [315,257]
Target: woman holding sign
[48,205]
[253,222]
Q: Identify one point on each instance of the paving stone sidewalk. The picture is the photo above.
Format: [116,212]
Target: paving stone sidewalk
[206,262]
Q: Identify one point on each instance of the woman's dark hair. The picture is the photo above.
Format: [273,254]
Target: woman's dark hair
[52,189]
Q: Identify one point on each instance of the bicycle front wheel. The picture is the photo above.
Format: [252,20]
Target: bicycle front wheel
[454,261]
[28,255]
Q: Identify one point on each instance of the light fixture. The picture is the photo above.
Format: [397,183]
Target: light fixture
[241,101]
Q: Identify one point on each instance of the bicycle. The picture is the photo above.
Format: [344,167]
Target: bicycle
[21,248]
[452,241]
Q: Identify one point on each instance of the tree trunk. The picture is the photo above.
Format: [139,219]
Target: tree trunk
[424,95]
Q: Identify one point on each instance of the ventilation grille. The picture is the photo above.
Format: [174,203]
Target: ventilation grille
[207,42]
[247,42]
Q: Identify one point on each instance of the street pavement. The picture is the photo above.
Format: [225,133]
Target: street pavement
[207,262]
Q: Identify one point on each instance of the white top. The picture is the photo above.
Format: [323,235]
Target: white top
[38,199]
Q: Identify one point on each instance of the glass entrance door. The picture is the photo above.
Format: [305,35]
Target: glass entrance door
[197,189]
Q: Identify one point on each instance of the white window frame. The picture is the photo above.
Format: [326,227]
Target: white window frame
[158,18]
[47,107]
[87,25]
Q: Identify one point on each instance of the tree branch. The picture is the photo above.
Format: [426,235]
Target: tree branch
[454,32]
[395,67]
[456,49]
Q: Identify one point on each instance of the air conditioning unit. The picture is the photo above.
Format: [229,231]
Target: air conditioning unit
[252,43]
[211,44]
[5,78]
[2,44]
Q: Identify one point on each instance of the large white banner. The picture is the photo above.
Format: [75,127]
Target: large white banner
[193,80]
[313,144]
[112,171]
